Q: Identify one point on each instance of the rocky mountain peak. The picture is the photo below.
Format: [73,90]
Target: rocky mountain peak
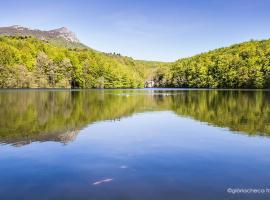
[17,26]
[65,33]
[62,33]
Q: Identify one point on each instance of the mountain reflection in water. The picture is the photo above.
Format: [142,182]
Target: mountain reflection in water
[58,115]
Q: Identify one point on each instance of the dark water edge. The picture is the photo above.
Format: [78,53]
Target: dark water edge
[134,144]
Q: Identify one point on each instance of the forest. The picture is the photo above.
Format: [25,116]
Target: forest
[27,62]
[245,65]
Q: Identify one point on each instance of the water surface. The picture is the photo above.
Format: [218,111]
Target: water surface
[133,144]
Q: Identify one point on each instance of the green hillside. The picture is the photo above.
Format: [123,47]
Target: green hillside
[26,62]
[245,65]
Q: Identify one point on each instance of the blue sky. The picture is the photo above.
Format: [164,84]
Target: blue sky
[163,30]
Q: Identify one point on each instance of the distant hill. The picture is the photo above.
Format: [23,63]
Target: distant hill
[61,36]
[244,65]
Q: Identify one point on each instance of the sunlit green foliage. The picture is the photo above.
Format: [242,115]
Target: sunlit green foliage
[32,63]
[26,62]
[245,65]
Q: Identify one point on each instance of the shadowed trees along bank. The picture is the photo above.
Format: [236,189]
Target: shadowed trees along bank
[54,115]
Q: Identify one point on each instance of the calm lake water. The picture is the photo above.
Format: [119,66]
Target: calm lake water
[134,144]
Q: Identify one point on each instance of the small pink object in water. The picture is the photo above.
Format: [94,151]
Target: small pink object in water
[103,181]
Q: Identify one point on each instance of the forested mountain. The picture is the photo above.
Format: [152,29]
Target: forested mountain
[56,59]
[26,62]
[245,65]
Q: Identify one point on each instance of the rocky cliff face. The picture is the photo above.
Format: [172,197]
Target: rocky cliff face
[64,33]
[61,35]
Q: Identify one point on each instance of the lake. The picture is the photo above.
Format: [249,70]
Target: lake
[134,144]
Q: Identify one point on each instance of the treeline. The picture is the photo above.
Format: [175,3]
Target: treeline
[245,65]
[26,62]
